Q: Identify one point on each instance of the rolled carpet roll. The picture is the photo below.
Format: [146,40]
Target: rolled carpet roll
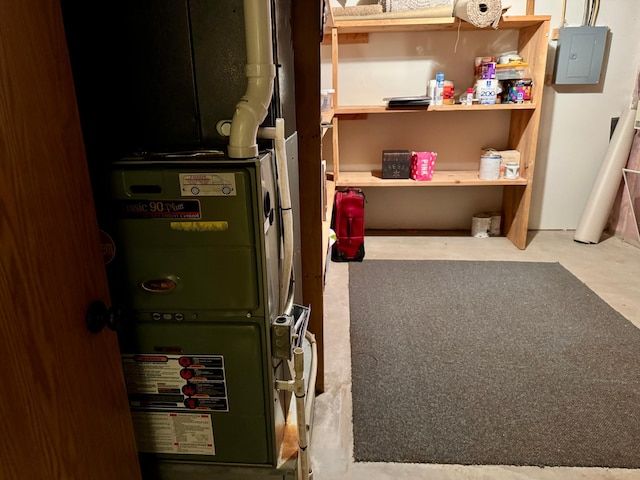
[596,212]
[435,12]
[480,13]
[357,10]
[406,5]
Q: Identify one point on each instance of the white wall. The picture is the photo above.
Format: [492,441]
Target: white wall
[574,130]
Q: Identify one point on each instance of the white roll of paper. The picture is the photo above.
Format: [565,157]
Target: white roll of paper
[480,13]
[480,224]
[596,212]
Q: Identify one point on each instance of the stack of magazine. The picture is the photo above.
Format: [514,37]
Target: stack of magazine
[407,102]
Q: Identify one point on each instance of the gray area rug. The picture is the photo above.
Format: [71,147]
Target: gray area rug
[490,363]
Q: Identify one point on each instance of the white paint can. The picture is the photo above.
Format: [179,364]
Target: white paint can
[490,166]
[487,91]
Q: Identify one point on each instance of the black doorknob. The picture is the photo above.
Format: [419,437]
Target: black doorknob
[98,315]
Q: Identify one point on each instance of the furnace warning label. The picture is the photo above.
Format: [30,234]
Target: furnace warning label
[186,433]
[207,184]
[195,382]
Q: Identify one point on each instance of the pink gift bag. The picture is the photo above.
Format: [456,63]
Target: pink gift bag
[422,165]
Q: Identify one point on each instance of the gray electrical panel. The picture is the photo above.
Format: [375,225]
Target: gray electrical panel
[579,55]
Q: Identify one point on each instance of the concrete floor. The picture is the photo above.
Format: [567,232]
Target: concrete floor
[610,268]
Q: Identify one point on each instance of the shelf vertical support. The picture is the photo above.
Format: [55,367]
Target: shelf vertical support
[336,102]
[334,65]
[523,136]
[531,6]
[336,153]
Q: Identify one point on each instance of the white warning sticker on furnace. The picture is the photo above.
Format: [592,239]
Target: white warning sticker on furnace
[186,433]
[207,184]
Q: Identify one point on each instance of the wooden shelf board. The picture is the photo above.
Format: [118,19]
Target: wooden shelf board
[347,38]
[365,109]
[393,25]
[327,116]
[426,24]
[448,178]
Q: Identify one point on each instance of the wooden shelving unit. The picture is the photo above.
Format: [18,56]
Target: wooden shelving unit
[441,178]
[533,36]
[366,109]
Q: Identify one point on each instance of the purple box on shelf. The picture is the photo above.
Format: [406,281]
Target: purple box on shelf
[488,71]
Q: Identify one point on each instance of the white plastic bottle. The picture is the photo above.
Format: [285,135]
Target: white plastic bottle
[439,87]
[469,96]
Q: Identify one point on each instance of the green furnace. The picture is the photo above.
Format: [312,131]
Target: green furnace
[196,271]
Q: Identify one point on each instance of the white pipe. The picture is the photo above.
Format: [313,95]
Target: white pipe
[297,387]
[250,112]
[277,133]
[313,375]
[300,393]
[252,108]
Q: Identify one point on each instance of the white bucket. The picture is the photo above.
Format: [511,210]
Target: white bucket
[487,91]
[490,167]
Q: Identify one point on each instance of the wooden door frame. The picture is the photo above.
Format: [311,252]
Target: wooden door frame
[306,20]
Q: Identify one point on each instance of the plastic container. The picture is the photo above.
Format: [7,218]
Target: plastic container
[470,96]
[326,99]
[477,71]
[511,71]
[509,57]
[512,170]
[448,93]
[431,92]
[439,88]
